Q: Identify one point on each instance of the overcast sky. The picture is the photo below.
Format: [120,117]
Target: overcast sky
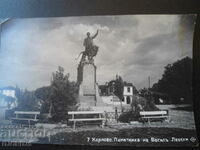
[132,46]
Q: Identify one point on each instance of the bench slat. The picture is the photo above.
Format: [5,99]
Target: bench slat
[24,119]
[153,113]
[85,112]
[27,112]
[87,119]
[155,117]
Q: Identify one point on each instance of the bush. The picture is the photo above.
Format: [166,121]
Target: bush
[129,116]
[9,114]
[137,105]
[150,106]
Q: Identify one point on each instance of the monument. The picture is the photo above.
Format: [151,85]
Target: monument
[86,73]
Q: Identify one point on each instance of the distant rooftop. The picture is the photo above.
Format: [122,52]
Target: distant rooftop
[113,81]
[7,88]
[128,84]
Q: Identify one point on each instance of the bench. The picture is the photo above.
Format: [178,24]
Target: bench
[79,116]
[154,115]
[31,117]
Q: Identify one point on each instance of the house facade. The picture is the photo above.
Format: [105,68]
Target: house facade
[8,100]
[127,93]
[107,93]
[6,92]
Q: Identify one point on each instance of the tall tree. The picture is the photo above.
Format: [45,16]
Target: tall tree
[44,95]
[119,89]
[177,81]
[26,100]
[63,95]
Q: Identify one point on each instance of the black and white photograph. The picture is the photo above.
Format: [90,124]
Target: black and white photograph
[113,80]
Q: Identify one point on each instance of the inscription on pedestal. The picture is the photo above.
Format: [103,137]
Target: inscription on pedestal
[89,79]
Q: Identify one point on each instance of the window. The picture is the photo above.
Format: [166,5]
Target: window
[128,89]
[128,100]
[123,99]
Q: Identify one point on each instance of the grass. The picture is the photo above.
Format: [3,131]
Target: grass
[185,108]
[182,125]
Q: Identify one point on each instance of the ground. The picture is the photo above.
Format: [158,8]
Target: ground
[181,127]
[181,116]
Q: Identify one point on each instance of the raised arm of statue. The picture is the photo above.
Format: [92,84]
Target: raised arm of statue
[95,34]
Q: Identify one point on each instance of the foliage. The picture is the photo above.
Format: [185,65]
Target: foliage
[143,91]
[44,94]
[8,99]
[150,106]
[133,114]
[138,104]
[148,103]
[27,100]
[135,91]
[129,116]
[177,81]
[119,87]
[61,95]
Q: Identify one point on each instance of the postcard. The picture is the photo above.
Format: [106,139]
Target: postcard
[116,80]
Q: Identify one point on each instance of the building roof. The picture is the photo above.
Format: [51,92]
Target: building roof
[128,84]
[7,88]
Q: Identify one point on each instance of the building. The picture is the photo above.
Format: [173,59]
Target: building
[127,93]
[7,100]
[7,93]
[107,92]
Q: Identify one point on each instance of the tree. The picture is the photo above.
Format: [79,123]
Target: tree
[63,95]
[177,81]
[147,99]
[135,91]
[10,100]
[27,100]
[143,91]
[44,95]
[119,88]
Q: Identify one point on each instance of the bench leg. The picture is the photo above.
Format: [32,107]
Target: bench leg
[168,119]
[103,122]
[74,125]
[29,124]
[149,121]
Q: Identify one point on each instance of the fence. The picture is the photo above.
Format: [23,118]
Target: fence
[112,117]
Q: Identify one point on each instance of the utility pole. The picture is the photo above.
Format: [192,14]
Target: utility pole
[149,82]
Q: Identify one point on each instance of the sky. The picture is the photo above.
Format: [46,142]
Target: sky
[132,46]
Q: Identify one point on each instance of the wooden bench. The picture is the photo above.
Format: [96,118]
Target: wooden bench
[154,115]
[30,119]
[79,116]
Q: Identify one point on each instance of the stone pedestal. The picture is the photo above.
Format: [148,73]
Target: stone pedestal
[89,80]
[87,84]
[89,98]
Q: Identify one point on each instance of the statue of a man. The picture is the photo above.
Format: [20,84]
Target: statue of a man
[90,49]
[88,41]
